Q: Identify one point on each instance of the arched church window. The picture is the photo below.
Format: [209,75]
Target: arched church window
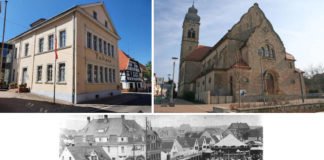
[272,54]
[191,33]
[267,52]
[262,52]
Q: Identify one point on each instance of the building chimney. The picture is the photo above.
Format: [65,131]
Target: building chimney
[106,118]
[88,118]
[37,22]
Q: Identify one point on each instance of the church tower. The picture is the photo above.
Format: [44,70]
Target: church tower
[190,32]
[190,40]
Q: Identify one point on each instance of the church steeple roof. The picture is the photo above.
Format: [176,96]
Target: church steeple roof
[192,14]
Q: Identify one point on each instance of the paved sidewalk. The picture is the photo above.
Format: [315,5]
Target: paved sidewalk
[183,106]
[28,102]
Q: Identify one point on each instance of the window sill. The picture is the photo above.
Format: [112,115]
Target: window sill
[48,51]
[49,82]
[61,83]
[39,82]
[25,56]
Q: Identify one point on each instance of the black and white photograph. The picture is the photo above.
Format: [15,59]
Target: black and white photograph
[161,137]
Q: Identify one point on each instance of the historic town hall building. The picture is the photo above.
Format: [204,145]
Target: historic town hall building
[249,58]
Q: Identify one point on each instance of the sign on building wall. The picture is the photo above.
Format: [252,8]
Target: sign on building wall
[133,72]
[133,76]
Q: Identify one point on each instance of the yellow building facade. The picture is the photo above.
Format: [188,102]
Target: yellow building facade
[87,67]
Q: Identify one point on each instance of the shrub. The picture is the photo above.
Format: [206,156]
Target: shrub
[13,85]
[313,91]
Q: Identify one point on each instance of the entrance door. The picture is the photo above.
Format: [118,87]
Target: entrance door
[24,76]
[131,86]
[269,81]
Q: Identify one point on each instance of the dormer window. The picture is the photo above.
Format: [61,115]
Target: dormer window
[94,158]
[106,24]
[94,15]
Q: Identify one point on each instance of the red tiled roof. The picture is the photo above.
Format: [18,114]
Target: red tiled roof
[290,57]
[241,64]
[123,60]
[198,53]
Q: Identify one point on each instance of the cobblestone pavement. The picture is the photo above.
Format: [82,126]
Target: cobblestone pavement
[27,102]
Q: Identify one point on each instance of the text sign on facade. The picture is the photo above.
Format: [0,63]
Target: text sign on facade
[133,76]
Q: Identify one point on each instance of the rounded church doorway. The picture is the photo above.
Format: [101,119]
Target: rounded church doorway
[269,83]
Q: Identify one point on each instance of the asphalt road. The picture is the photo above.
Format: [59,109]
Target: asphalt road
[127,102]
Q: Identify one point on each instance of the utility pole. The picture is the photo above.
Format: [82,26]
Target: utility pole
[3,34]
[172,86]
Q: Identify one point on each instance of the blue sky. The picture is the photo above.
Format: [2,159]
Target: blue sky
[132,20]
[299,23]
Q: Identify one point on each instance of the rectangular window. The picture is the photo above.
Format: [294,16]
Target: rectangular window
[39,73]
[89,39]
[105,47]
[122,150]
[62,39]
[61,76]
[110,77]
[15,52]
[106,74]
[106,24]
[41,45]
[26,49]
[100,45]
[95,43]
[109,49]
[95,74]
[90,73]
[13,74]
[50,72]
[112,51]
[94,15]
[50,42]
[101,75]
[114,77]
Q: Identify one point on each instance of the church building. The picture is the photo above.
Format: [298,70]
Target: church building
[249,60]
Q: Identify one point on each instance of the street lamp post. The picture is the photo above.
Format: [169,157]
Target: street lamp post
[171,90]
